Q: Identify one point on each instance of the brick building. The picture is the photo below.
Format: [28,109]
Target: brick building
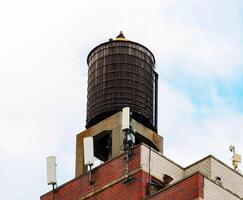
[147,174]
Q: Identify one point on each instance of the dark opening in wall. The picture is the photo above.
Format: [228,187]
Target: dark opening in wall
[102,145]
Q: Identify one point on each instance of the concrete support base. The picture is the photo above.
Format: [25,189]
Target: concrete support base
[108,139]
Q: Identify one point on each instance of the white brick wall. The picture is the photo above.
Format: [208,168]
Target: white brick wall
[204,167]
[211,168]
[230,179]
[215,192]
[160,165]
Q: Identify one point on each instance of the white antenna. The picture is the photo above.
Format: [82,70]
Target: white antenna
[125,118]
[89,155]
[88,151]
[236,158]
[51,170]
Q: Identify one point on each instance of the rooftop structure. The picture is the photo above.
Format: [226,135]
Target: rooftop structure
[209,179]
[122,74]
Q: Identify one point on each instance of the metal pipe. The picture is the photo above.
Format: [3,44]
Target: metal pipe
[53,191]
[90,175]
[156,101]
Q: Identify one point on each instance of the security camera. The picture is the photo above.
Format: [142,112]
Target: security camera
[231,148]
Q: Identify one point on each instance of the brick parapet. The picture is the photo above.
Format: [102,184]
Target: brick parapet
[189,188]
[158,165]
[212,190]
[102,175]
[212,168]
[132,191]
[188,183]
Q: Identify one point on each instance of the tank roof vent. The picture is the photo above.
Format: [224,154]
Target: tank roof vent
[120,36]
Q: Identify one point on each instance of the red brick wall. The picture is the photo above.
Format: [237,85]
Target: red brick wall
[120,191]
[102,175]
[113,170]
[188,189]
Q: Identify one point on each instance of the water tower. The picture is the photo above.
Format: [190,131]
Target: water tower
[121,73]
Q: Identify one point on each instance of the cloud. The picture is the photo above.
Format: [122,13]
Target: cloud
[43,78]
[197,133]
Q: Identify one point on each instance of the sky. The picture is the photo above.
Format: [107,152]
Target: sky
[198,47]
